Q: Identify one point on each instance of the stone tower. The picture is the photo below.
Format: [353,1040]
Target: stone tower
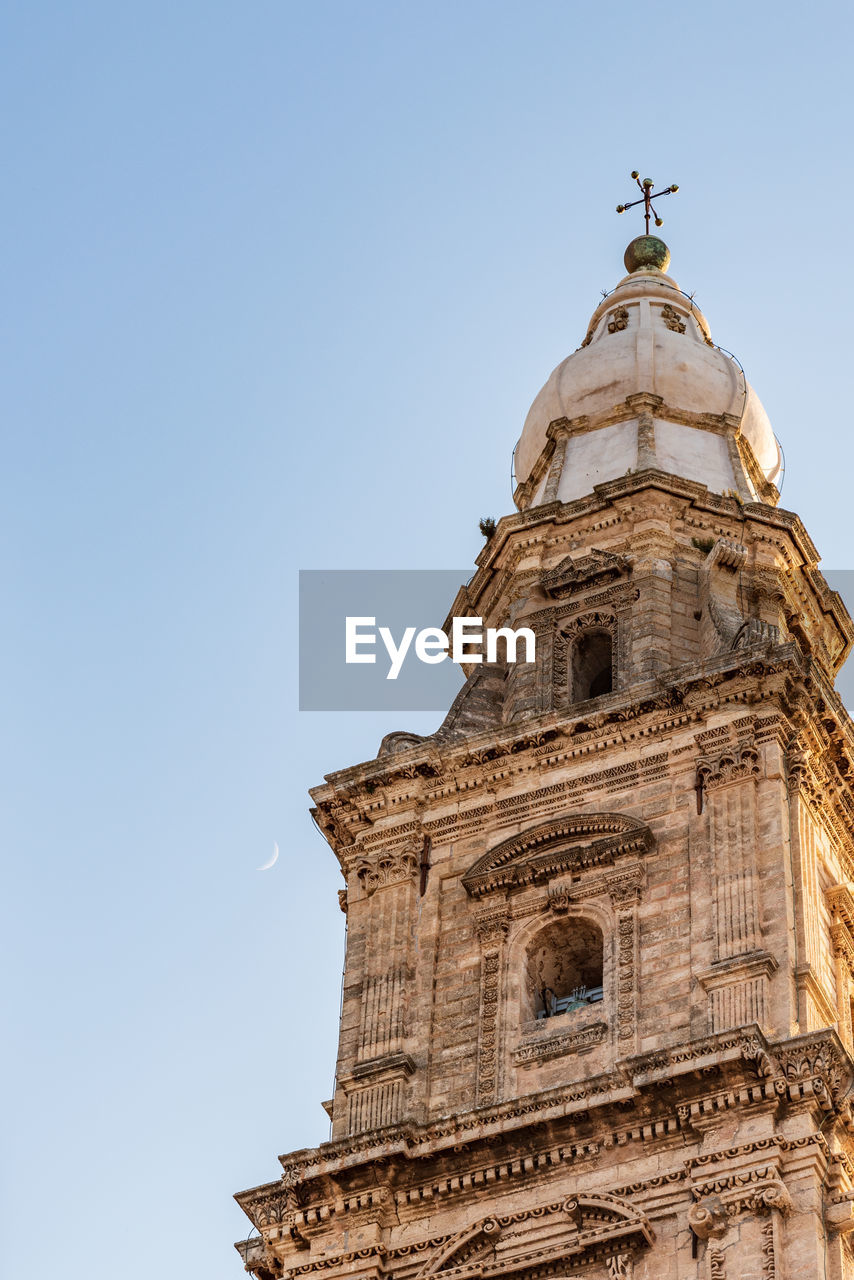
[597,1009]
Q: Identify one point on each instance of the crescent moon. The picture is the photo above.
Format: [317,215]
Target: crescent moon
[268,865]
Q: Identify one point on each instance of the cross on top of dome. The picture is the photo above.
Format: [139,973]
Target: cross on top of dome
[647,197]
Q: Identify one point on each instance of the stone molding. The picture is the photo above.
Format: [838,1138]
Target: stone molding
[543,1049]
[374,1091]
[579,842]
[724,424]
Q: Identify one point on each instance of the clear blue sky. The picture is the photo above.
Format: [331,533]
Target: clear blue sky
[279,282]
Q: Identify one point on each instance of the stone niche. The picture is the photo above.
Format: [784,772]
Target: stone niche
[555,909]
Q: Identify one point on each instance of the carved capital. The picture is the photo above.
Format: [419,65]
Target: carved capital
[388,867]
[491,927]
[733,765]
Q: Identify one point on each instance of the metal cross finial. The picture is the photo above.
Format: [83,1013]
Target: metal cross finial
[647,198]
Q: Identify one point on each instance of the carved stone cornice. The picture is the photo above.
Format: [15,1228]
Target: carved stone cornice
[686,692]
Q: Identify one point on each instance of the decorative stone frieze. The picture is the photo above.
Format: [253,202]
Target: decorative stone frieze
[557,1046]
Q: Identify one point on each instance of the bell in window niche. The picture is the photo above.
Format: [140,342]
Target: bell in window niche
[564,1024]
[564,969]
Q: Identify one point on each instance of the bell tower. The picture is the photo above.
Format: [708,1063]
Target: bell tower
[597,1007]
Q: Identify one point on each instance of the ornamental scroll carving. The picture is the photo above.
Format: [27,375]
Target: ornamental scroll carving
[717,1264]
[626,979]
[719,1200]
[769,1260]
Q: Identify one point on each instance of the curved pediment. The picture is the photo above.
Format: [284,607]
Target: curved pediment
[583,1229]
[565,844]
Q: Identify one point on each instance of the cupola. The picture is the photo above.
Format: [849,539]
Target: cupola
[647,389]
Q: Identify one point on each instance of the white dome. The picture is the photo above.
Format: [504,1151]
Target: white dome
[647,339]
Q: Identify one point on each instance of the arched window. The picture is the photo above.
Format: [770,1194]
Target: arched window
[563,968]
[592,664]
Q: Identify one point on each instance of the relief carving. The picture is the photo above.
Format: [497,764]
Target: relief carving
[388,868]
[672,319]
[620,1266]
[626,978]
[491,927]
[717,1264]
[557,1046]
[618,320]
[769,1263]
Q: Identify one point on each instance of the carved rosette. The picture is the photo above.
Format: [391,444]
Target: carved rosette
[491,929]
[626,979]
